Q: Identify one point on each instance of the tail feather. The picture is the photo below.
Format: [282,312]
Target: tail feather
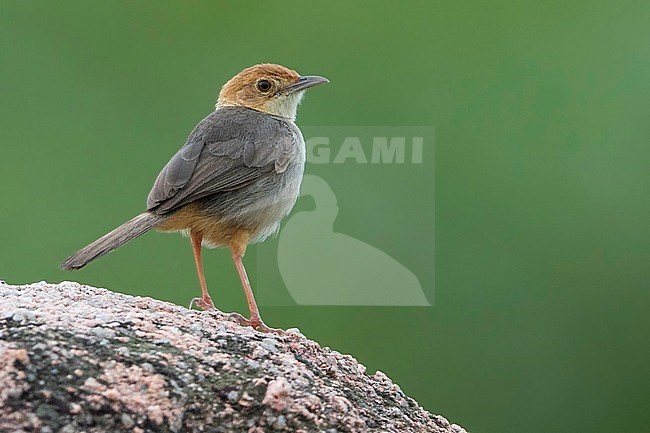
[118,237]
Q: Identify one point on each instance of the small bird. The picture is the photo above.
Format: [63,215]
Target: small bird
[233,181]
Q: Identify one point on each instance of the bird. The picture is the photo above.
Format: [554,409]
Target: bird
[232,182]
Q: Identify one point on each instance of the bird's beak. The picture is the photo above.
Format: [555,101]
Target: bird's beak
[305,82]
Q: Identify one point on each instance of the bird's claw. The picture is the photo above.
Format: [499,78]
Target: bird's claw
[254,322]
[204,304]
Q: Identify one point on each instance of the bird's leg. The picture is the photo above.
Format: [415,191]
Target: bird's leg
[204,301]
[238,248]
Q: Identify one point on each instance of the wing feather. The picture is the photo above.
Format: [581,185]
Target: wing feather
[228,150]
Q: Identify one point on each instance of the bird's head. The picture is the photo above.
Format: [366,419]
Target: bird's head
[269,88]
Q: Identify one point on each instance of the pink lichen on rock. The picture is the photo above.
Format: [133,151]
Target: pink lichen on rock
[12,386]
[133,388]
[12,378]
[277,394]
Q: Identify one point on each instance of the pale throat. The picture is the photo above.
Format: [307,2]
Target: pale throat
[283,105]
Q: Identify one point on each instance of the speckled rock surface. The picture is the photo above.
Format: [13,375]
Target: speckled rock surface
[75,358]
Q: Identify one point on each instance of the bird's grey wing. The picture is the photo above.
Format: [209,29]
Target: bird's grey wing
[228,155]
[176,174]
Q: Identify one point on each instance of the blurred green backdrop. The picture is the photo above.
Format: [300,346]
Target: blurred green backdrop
[542,175]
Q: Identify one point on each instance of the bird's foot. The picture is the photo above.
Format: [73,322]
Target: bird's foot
[203,303]
[255,322]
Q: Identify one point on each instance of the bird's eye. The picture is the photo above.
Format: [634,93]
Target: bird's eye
[264,85]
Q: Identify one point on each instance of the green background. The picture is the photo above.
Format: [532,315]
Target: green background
[542,173]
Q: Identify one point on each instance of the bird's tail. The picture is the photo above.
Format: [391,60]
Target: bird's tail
[118,237]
